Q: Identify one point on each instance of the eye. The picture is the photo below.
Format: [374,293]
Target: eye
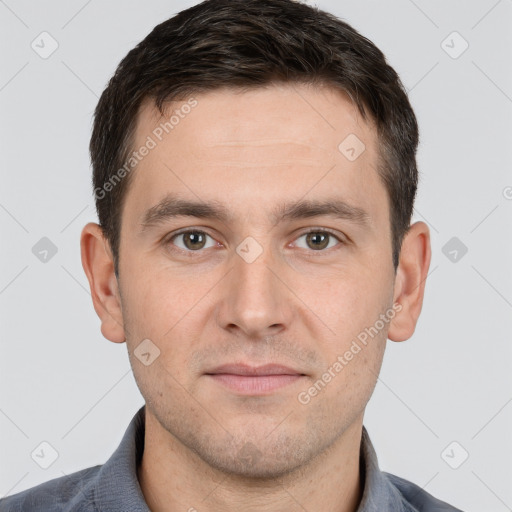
[319,239]
[193,240]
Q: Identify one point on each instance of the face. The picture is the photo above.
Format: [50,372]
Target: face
[288,264]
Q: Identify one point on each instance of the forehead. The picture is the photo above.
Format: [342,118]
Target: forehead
[252,148]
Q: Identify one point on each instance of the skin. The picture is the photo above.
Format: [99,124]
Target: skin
[207,447]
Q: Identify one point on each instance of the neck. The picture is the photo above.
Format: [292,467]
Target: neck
[175,479]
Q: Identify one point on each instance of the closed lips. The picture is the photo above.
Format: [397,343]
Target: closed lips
[247,370]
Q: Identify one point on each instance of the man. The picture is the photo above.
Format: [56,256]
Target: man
[254,176]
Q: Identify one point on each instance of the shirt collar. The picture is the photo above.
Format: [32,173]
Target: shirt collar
[117,487]
[379,493]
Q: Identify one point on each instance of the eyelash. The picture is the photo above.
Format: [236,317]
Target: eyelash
[170,238]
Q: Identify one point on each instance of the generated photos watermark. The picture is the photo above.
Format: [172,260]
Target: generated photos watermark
[152,141]
[305,397]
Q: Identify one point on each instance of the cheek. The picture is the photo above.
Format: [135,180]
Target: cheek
[353,352]
[158,301]
[353,355]
[349,301]
[166,309]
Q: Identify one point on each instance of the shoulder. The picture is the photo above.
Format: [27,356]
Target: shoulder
[73,492]
[418,498]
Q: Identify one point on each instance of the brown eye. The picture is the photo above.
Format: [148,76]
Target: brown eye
[319,240]
[192,240]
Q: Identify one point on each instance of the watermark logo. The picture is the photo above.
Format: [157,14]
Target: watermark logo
[146,352]
[249,454]
[249,249]
[44,455]
[44,250]
[454,249]
[352,147]
[44,45]
[454,455]
[454,45]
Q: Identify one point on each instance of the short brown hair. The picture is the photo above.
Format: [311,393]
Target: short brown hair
[246,44]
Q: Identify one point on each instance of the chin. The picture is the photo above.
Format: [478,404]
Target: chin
[261,467]
[262,460]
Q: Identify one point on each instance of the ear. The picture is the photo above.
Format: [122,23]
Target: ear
[409,287]
[98,265]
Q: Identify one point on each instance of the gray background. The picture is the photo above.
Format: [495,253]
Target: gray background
[63,383]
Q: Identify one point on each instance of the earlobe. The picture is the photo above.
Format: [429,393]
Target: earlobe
[98,266]
[409,289]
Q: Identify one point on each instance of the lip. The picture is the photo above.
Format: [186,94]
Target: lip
[245,369]
[254,380]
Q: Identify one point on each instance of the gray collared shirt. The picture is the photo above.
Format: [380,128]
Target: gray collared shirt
[113,486]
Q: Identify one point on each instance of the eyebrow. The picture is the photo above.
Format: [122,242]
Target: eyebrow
[172,206]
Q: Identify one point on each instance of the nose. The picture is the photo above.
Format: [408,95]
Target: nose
[256,301]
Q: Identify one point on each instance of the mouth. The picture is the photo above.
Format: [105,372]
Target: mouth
[254,380]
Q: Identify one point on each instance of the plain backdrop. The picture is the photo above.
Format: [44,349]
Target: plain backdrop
[442,396]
